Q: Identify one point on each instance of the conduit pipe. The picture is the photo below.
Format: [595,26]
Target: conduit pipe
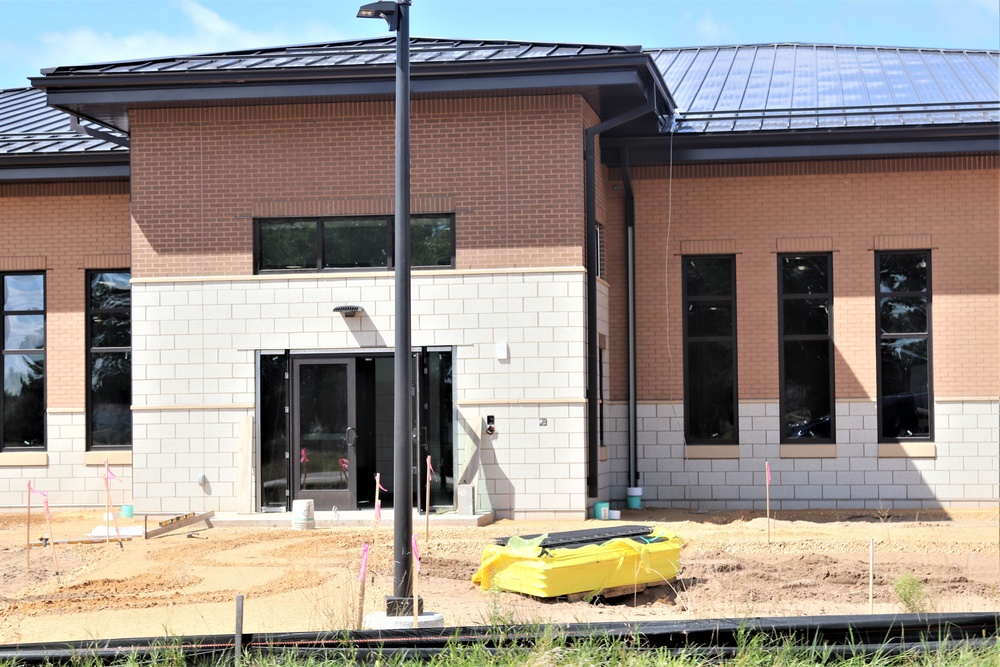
[633,390]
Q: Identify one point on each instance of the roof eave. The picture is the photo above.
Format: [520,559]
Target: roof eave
[60,167]
[774,145]
[106,98]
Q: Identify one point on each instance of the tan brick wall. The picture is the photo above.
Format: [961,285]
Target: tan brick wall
[64,229]
[851,208]
[510,168]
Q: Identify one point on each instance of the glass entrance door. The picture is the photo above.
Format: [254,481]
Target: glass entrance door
[322,453]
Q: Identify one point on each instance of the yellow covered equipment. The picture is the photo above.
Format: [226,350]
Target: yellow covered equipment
[526,566]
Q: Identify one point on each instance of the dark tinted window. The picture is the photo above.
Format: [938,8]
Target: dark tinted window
[109,359]
[903,302]
[805,296]
[23,360]
[710,349]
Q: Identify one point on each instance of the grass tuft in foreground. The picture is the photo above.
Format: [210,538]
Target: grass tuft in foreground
[552,650]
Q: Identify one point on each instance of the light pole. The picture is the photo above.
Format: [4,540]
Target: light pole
[400,603]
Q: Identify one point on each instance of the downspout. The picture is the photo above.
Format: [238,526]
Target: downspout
[590,185]
[633,391]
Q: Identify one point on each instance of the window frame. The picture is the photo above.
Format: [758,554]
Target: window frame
[880,337]
[89,312]
[828,337]
[43,352]
[687,299]
[319,221]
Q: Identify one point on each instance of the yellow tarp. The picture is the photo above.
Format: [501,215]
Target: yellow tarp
[521,568]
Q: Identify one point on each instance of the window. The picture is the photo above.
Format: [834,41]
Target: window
[23,361]
[709,285]
[338,244]
[903,307]
[109,359]
[805,299]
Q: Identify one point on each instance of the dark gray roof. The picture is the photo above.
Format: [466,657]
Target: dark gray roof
[29,126]
[613,79]
[809,86]
[39,143]
[345,54]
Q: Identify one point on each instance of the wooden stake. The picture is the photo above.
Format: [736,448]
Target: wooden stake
[767,469]
[416,607]
[871,575]
[416,576]
[27,555]
[362,576]
[118,532]
[427,502]
[52,537]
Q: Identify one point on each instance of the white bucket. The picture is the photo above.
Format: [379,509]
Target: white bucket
[303,514]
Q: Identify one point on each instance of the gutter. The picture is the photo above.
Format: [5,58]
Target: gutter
[590,195]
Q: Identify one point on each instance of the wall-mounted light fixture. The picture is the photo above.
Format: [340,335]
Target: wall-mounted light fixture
[348,311]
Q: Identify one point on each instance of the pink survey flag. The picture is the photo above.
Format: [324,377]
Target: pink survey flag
[364,563]
[45,499]
[378,510]
[303,457]
[378,482]
[767,469]
[430,468]
[108,475]
[416,552]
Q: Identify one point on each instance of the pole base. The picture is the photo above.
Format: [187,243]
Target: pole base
[381,621]
[397,606]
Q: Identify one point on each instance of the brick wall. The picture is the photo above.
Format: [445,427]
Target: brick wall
[849,208]
[64,229]
[510,168]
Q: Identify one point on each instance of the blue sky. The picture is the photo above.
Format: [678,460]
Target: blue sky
[46,33]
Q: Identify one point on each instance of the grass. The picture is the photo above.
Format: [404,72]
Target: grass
[552,650]
[912,593]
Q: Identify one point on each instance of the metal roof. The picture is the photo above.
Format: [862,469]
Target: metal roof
[613,79]
[345,54]
[817,87]
[29,126]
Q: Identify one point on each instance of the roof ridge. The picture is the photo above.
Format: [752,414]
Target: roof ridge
[819,44]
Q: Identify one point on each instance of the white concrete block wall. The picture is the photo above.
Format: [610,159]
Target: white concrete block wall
[963,472]
[67,479]
[194,346]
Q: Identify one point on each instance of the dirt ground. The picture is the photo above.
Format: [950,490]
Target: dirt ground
[186,582]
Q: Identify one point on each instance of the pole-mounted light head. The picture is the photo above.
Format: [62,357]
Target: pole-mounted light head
[382,10]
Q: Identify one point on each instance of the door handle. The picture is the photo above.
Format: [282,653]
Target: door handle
[347,436]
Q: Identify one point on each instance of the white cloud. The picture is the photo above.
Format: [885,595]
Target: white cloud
[712,31]
[206,32]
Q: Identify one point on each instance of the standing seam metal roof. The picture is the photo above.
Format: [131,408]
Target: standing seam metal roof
[812,86]
[738,88]
[29,126]
[348,53]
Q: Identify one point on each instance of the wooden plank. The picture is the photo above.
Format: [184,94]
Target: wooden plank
[179,522]
[89,540]
[614,592]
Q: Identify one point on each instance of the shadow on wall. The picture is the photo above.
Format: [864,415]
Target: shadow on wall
[494,490]
[364,332]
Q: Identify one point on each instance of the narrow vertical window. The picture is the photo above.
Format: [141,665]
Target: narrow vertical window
[709,284]
[903,307]
[23,361]
[805,293]
[109,359]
